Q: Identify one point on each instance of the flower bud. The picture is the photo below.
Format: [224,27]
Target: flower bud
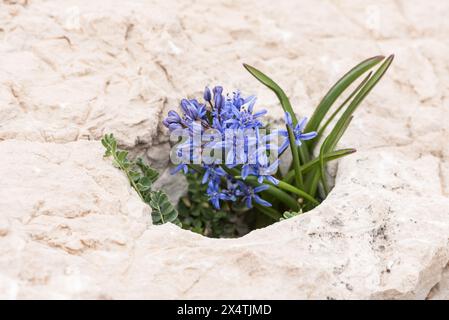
[207,94]
[218,98]
[174,116]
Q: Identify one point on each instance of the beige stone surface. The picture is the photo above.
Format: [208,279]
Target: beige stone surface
[70,227]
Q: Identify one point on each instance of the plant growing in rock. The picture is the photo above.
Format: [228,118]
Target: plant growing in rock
[225,143]
[197,214]
[231,157]
[141,177]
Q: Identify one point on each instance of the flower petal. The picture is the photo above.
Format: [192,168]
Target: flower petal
[261,188]
[308,136]
[261,201]
[206,176]
[288,119]
[248,202]
[301,124]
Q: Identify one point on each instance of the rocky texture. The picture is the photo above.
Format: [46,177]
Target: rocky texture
[70,227]
[59,204]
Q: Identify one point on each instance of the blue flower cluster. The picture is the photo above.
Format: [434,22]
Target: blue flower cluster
[212,120]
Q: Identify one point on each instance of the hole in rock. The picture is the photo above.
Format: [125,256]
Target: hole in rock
[233,219]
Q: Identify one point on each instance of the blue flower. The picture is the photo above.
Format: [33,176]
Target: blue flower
[173,121]
[297,132]
[261,172]
[193,110]
[250,195]
[240,113]
[179,167]
[213,173]
[262,169]
[235,113]
[215,195]
[245,119]
[237,147]
[186,152]
[234,187]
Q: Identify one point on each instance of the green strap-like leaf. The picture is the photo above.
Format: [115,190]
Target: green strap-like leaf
[337,89]
[320,132]
[369,85]
[328,146]
[263,78]
[272,213]
[299,155]
[288,187]
[343,122]
[284,186]
[295,158]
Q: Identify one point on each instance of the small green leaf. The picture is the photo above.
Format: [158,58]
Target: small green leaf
[108,142]
[121,156]
[116,164]
[163,210]
[149,172]
[134,175]
[186,202]
[104,143]
[178,223]
[195,213]
[144,184]
[141,177]
[290,214]
[156,218]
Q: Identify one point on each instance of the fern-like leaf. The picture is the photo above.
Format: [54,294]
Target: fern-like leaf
[163,210]
[141,177]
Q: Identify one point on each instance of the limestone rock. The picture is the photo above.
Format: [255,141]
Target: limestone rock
[58,204]
[77,230]
[71,227]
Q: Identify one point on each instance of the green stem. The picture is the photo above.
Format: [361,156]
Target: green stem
[284,186]
[323,169]
[295,155]
[126,171]
[311,164]
[299,192]
[314,183]
[274,191]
